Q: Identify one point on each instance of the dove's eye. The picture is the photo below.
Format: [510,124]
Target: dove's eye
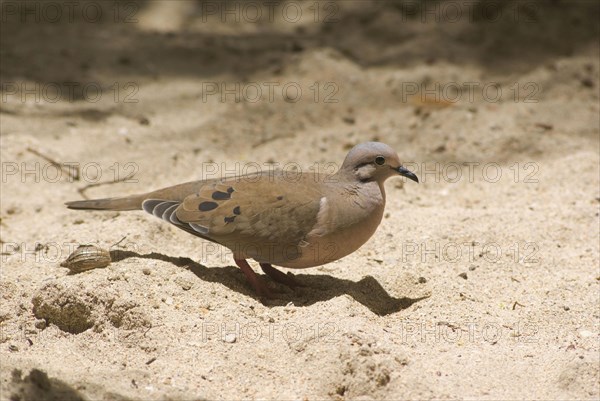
[380,160]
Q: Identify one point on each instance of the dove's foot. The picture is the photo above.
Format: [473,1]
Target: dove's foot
[259,286]
[280,277]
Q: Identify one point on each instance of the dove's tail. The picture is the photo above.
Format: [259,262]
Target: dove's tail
[133,202]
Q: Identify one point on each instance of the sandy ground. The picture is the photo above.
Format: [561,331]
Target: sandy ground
[480,283]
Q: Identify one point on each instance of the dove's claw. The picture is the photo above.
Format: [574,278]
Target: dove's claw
[259,286]
[280,277]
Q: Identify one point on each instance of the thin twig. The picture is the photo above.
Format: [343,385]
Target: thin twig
[72,171]
[97,184]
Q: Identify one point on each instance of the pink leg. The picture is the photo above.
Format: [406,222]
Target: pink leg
[259,286]
[280,277]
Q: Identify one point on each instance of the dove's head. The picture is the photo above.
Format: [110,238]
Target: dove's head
[374,161]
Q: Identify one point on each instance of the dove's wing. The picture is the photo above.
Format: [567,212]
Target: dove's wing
[256,208]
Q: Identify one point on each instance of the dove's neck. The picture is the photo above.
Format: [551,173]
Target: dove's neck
[369,193]
[372,195]
[364,201]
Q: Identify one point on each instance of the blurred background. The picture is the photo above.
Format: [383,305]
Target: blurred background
[493,104]
[412,73]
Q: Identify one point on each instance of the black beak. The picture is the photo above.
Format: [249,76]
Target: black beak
[407,173]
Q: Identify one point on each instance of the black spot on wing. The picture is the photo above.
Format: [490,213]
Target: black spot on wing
[218,195]
[236,210]
[207,206]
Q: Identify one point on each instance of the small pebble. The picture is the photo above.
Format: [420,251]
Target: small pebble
[463,275]
[422,280]
[230,338]
[587,82]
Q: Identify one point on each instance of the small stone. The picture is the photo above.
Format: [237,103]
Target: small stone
[297,47]
[146,271]
[463,275]
[124,60]
[13,348]
[230,338]
[40,324]
[545,126]
[184,283]
[169,301]
[566,308]
[422,280]
[587,82]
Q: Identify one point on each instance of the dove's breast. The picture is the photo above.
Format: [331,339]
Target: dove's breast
[346,220]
